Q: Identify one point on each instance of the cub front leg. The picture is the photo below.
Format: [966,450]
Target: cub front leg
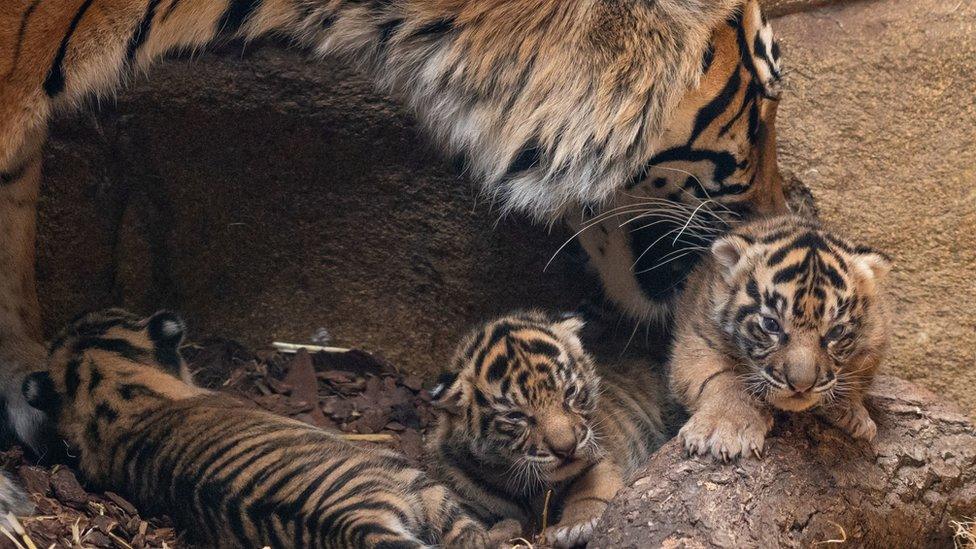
[585,502]
[726,429]
[726,422]
[20,333]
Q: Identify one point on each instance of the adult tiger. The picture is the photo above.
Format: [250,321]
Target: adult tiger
[552,103]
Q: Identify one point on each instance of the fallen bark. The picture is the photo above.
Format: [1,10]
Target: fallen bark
[815,486]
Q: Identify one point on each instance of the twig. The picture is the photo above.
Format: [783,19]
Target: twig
[545,510]
[283,347]
[3,529]
[964,536]
[76,533]
[121,541]
[19,528]
[353,437]
[843,536]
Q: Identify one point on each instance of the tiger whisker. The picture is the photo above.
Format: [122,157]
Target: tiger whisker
[590,224]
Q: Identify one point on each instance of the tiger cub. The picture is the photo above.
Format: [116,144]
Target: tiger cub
[230,476]
[525,410]
[782,314]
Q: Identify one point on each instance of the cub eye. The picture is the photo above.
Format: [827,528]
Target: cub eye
[770,325]
[836,332]
[515,416]
[571,391]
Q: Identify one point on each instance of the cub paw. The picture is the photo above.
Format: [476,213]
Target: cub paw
[856,421]
[503,533]
[572,534]
[726,434]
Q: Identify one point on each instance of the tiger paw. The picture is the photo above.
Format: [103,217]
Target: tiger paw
[726,433]
[505,533]
[855,420]
[572,534]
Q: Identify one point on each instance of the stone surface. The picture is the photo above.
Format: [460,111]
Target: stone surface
[267,195]
[275,196]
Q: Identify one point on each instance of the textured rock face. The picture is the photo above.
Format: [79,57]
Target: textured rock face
[267,195]
[276,196]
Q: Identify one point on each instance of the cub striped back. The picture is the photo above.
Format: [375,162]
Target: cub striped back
[230,476]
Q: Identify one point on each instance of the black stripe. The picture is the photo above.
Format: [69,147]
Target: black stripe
[112,345]
[104,411]
[387,30]
[54,82]
[789,273]
[716,106]
[436,27]
[236,15]
[71,378]
[708,379]
[94,378]
[498,368]
[141,34]
[169,11]
[20,41]
[92,434]
[707,58]
[527,158]
[540,347]
[6,178]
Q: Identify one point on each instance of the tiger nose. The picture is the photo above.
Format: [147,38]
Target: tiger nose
[562,444]
[800,379]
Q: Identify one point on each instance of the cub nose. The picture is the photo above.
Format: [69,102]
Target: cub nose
[800,379]
[563,446]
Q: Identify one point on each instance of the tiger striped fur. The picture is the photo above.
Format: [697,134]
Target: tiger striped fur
[229,476]
[626,107]
[525,409]
[716,167]
[783,314]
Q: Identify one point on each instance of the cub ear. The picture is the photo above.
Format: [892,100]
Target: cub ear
[572,321]
[38,389]
[729,251]
[446,395]
[166,330]
[873,262]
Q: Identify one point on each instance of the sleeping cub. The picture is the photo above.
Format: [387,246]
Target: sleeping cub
[229,475]
[526,410]
[785,315]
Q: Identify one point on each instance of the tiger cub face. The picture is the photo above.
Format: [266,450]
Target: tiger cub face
[102,363]
[522,397]
[802,308]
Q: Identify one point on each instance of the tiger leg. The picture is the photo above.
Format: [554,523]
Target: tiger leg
[725,421]
[455,527]
[20,329]
[584,504]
